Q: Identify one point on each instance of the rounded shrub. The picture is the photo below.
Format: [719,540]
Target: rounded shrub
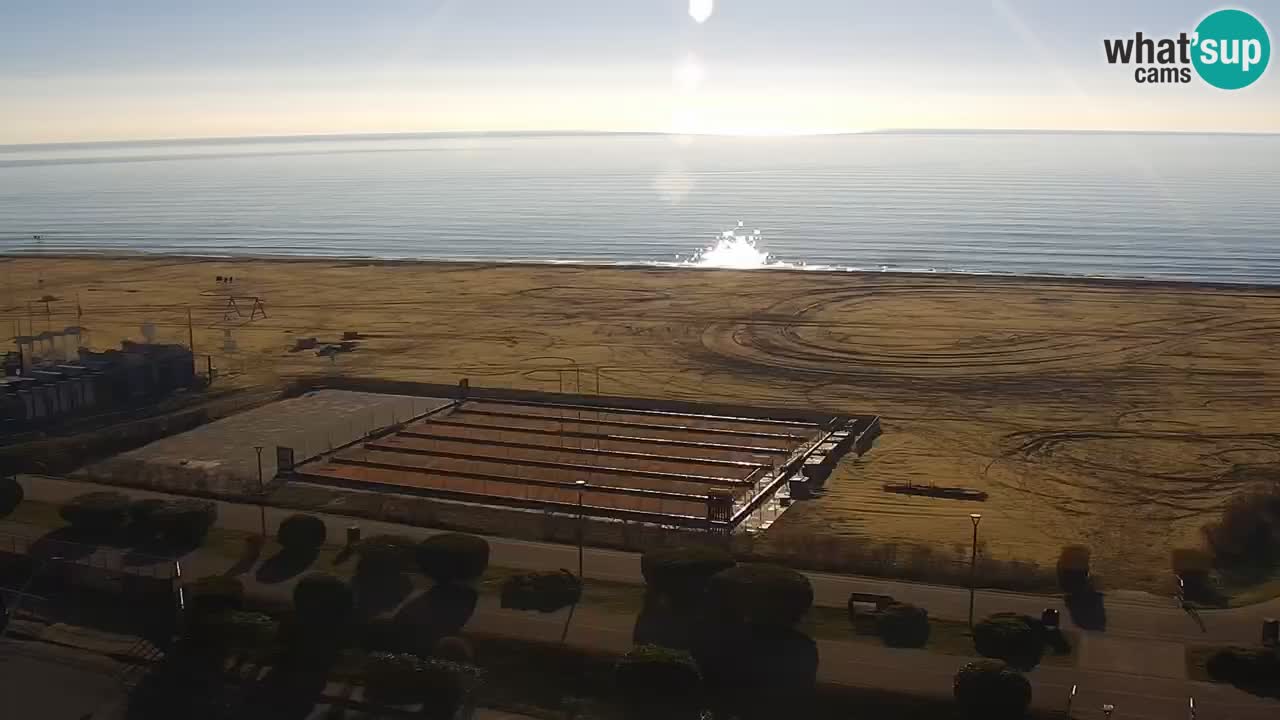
[97,513]
[1193,565]
[248,629]
[1073,569]
[322,601]
[454,649]
[542,591]
[141,517]
[682,573]
[11,495]
[453,557]
[441,611]
[762,672]
[213,595]
[990,690]
[184,521]
[1252,668]
[1247,536]
[1016,639]
[301,533]
[383,555]
[651,674]
[903,625]
[760,594]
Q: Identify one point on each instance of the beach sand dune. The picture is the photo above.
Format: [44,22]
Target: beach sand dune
[1119,415]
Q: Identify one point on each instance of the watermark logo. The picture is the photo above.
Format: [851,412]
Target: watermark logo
[1234,49]
[1229,49]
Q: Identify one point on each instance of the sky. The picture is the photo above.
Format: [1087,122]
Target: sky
[85,70]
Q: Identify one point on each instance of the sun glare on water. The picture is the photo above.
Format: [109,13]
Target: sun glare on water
[736,249]
[700,10]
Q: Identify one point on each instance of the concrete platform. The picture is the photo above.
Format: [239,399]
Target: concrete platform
[311,424]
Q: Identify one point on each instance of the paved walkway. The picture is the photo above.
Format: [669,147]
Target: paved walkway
[1137,664]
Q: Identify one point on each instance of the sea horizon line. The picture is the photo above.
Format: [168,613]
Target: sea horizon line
[430,134]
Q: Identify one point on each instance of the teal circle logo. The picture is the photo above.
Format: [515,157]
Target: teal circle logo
[1232,49]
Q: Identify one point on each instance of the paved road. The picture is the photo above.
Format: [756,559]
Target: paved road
[1136,664]
[1144,617]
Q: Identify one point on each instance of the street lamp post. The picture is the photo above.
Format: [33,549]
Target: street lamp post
[262,508]
[1107,710]
[582,485]
[973,564]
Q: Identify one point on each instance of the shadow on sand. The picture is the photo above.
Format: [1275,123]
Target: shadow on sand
[248,558]
[286,564]
[441,611]
[66,544]
[1087,610]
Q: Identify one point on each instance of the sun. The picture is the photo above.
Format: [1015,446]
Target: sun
[700,10]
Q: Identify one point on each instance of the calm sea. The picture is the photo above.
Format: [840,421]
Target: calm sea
[1166,206]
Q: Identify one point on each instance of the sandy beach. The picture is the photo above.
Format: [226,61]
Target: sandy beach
[1118,415]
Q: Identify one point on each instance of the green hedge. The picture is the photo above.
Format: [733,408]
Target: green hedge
[1251,668]
[650,674]
[454,649]
[141,513]
[11,495]
[453,557]
[406,678]
[1194,566]
[97,513]
[1247,536]
[760,594]
[302,533]
[1016,639]
[682,573]
[1073,569]
[542,591]
[990,690]
[184,521]
[383,555]
[903,625]
[233,629]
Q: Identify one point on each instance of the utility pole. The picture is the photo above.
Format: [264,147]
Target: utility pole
[191,345]
[262,508]
[582,484]
[973,565]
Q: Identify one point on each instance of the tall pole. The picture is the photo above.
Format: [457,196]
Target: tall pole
[582,484]
[191,345]
[973,565]
[262,508]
